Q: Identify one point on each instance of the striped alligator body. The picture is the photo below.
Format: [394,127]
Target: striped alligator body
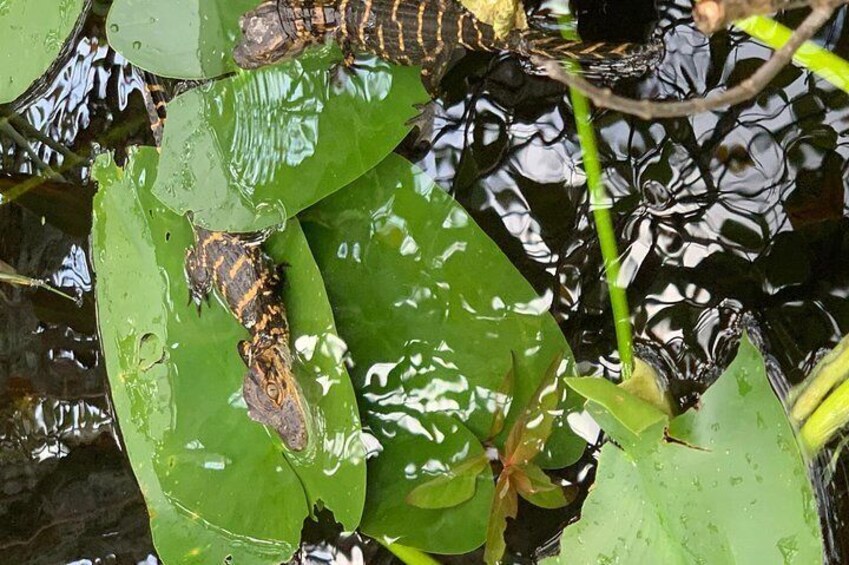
[429,33]
[248,283]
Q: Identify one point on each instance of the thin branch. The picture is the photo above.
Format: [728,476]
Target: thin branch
[7,128]
[27,128]
[647,109]
[9,275]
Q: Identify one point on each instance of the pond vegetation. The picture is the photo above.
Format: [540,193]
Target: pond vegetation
[446,404]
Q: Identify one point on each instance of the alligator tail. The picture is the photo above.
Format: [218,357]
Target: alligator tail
[596,57]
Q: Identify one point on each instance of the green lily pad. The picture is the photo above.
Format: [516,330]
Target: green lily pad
[253,150]
[735,491]
[431,308]
[34,32]
[215,482]
[432,312]
[190,39]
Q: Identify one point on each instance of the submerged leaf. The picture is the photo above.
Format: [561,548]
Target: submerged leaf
[33,33]
[451,487]
[707,499]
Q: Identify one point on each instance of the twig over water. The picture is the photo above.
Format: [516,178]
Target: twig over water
[648,109]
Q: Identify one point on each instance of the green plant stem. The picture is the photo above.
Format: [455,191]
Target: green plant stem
[810,55]
[828,418]
[7,128]
[409,555]
[831,371]
[600,206]
[20,280]
[23,125]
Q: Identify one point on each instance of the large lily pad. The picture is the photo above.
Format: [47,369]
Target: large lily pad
[252,150]
[33,33]
[191,39]
[431,310]
[215,482]
[733,489]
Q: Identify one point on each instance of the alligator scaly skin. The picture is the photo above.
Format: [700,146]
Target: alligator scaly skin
[429,33]
[247,282]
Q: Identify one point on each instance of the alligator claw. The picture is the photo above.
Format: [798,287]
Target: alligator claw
[423,122]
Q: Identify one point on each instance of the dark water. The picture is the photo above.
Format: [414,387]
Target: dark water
[729,220]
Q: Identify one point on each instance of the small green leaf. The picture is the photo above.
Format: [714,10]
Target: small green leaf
[633,413]
[450,488]
[536,487]
[505,505]
[34,32]
[530,432]
[645,384]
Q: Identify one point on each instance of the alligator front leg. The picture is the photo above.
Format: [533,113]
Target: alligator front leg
[433,69]
[198,276]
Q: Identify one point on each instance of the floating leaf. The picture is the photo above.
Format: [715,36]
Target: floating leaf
[190,39]
[426,332]
[215,482]
[450,487]
[427,337]
[34,32]
[737,490]
[253,150]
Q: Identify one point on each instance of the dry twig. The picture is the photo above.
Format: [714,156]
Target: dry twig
[648,109]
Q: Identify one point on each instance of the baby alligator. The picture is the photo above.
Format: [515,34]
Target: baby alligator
[430,33]
[248,284]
